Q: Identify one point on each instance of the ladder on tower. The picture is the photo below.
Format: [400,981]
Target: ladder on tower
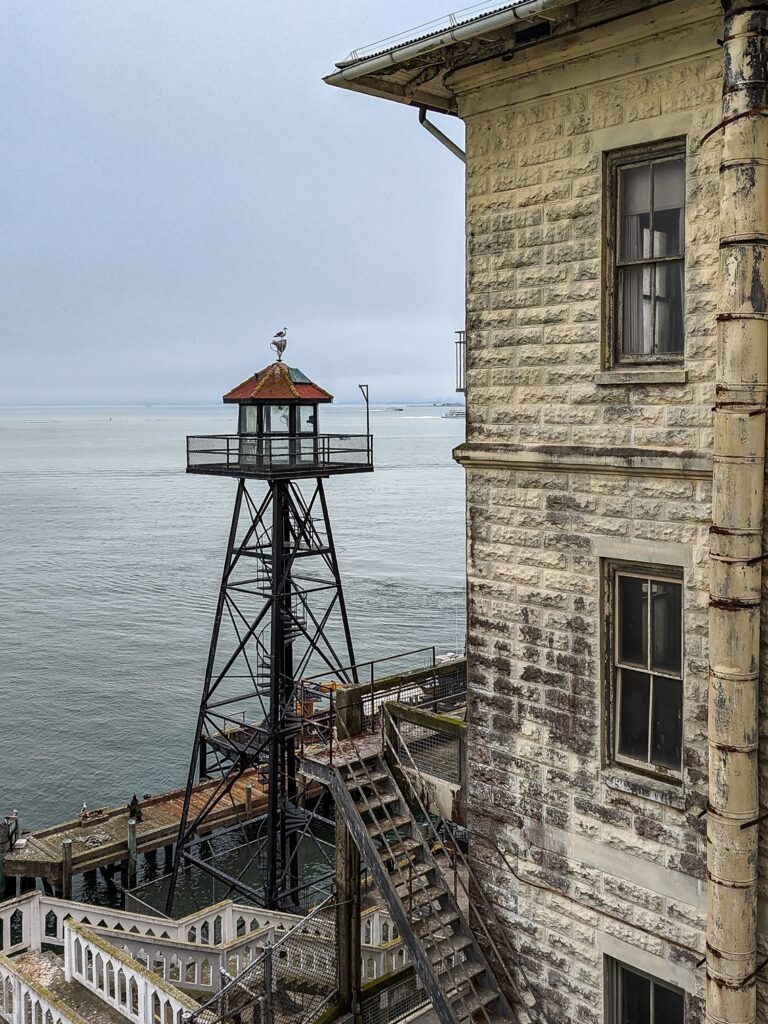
[447,957]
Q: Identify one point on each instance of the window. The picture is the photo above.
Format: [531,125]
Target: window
[646,659]
[646,244]
[637,998]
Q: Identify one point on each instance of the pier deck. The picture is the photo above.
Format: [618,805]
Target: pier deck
[101,838]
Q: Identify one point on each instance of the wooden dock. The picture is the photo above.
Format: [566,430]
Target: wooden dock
[100,838]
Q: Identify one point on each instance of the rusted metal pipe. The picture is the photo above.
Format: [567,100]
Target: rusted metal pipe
[737,516]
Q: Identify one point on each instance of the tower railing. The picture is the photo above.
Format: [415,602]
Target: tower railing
[275,454]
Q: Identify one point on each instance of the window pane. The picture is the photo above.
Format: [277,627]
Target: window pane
[636,310]
[666,632]
[668,207]
[277,419]
[633,712]
[306,419]
[667,731]
[633,620]
[635,998]
[668,1006]
[635,212]
[250,414]
[669,307]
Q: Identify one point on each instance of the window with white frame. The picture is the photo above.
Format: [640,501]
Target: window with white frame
[647,669]
[646,246]
[639,998]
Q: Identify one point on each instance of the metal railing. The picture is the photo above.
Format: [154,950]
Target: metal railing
[273,453]
[461,361]
[437,687]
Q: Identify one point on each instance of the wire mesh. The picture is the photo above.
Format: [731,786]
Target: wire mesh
[397,1001]
[290,982]
[433,751]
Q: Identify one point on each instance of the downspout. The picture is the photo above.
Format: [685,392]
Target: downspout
[737,519]
[441,136]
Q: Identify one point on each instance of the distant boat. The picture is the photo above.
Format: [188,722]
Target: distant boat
[395,408]
[455,414]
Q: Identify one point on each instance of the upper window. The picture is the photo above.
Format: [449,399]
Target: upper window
[647,670]
[639,998]
[647,245]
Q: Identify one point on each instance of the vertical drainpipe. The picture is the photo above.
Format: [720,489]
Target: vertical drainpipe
[737,518]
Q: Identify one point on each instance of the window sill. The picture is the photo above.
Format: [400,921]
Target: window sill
[642,375]
[658,790]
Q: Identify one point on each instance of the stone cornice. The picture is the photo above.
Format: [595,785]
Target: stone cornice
[554,458]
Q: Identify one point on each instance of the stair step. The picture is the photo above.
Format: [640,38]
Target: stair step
[401,849]
[463,972]
[433,922]
[440,948]
[401,873]
[375,803]
[360,780]
[421,895]
[383,826]
[465,1004]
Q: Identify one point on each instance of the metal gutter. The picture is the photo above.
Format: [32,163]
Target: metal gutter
[525,11]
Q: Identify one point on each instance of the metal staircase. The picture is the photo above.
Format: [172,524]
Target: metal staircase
[447,957]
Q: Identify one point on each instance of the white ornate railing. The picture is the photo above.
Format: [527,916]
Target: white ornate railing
[23,1000]
[120,981]
[28,920]
[192,953]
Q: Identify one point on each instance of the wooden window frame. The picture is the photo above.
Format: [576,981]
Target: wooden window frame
[655,573]
[613,982]
[615,161]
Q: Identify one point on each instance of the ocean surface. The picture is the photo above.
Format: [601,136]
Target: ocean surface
[110,559]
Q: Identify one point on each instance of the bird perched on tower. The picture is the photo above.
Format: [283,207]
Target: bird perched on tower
[279,342]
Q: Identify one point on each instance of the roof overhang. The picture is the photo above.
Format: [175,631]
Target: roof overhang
[413,69]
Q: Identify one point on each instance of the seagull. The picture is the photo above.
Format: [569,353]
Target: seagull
[84,808]
[279,342]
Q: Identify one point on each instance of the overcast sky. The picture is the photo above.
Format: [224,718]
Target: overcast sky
[178,183]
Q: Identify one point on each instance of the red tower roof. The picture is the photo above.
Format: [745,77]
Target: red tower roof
[278,383]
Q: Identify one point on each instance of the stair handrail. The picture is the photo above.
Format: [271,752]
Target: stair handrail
[488,906]
[339,721]
[269,950]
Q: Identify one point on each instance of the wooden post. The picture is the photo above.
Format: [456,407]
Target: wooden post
[168,851]
[248,799]
[132,853]
[348,919]
[5,845]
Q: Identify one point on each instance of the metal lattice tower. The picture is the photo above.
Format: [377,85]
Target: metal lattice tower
[280,614]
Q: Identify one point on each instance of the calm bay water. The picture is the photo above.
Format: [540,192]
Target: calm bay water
[110,557]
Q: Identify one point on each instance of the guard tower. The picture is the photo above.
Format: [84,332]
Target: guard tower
[280,613]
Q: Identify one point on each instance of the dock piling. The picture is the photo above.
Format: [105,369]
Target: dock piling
[133,855]
[66,869]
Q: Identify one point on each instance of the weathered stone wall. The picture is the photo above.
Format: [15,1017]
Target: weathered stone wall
[596,860]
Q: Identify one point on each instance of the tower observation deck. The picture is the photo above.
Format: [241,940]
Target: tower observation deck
[278,436]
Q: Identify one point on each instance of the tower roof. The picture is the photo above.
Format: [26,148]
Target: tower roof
[278,382]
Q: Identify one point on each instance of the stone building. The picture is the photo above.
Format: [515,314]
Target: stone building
[616,224]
